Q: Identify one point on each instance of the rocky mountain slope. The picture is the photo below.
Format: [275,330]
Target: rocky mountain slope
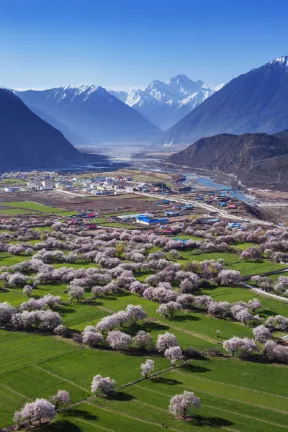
[90,113]
[254,102]
[256,159]
[165,103]
[28,141]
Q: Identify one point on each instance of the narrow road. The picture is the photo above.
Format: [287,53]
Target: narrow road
[261,292]
[207,207]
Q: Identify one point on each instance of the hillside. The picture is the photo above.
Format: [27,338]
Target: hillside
[256,159]
[254,102]
[28,141]
[91,113]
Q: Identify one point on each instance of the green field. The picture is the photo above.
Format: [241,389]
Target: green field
[29,207]
[233,393]
[236,395]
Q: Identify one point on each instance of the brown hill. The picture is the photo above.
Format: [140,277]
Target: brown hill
[257,159]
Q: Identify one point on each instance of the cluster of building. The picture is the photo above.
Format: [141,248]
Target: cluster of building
[94,185]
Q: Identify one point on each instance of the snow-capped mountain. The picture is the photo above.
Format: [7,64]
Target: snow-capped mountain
[90,113]
[253,102]
[165,103]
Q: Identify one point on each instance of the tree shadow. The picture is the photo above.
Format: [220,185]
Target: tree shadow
[121,397]
[181,318]
[76,412]
[60,426]
[195,368]
[163,380]
[216,422]
[107,298]
[65,310]
[266,312]
[150,326]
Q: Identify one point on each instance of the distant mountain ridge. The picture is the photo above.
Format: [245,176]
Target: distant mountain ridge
[90,113]
[165,103]
[26,140]
[257,159]
[253,102]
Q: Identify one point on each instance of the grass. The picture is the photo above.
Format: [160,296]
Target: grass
[15,212]
[254,268]
[236,395]
[234,294]
[31,207]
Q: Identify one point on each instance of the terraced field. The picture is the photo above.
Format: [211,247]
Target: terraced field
[236,395]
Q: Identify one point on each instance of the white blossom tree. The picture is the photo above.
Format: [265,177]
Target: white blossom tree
[278,322]
[173,354]
[143,340]
[91,337]
[34,412]
[254,304]
[262,334]
[61,399]
[147,368]
[229,277]
[136,313]
[180,404]
[165,341]
[241,346]
[168,310]
[76,292]
[103,385]
[6,313]
[27,290]
[118,340]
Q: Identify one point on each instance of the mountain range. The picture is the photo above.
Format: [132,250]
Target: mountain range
[26,140]
[257,159]
[165,103]
[89,115]
[253,102]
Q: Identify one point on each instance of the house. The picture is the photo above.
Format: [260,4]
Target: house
[232,206]
[47,185]
[172,213]
[223,193]
[208,220]
[147,221]
[128,217]
[11,189]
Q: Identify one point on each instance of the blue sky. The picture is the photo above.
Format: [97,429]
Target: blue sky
[128,43]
